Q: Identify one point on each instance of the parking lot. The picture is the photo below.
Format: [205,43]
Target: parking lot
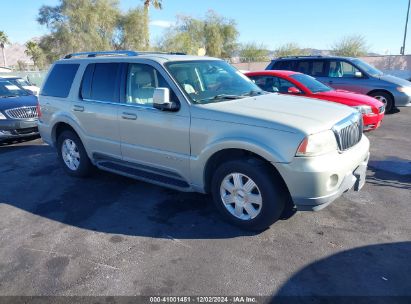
[110,235]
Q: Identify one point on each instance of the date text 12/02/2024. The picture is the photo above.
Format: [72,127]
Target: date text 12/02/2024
[203,299]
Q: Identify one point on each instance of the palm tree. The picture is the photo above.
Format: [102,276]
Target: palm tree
[147,3]
[3,41]
[33,51]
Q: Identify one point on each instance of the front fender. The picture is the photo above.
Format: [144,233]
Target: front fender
[198,163]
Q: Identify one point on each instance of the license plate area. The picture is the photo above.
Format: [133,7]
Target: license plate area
[360,174]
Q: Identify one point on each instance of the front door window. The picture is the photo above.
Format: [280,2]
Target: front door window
[341,69]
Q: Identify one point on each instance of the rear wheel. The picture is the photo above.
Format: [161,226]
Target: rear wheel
[248,194]
[72,154]
[386,99]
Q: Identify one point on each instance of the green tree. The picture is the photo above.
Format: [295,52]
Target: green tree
[132,28]
[35,53]
[4,40]
[21,65]
[290,49]
[216,34]
[351,46]
[251,52]
[157,4]
[79,25]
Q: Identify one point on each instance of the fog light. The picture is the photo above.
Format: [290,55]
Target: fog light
[5,133]
[332,181]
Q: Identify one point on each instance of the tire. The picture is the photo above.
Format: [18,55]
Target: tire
[268,187]
[384,98]
[81,164]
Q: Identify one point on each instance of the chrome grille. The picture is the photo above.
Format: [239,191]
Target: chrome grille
[349,132]
[22,113]
[381,109]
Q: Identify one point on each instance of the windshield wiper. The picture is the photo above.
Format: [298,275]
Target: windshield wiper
[222,97]
[253,93]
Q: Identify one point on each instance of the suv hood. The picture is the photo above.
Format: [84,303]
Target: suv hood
[282,112]
[395,80]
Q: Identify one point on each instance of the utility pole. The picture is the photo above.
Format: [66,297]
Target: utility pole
[405,31]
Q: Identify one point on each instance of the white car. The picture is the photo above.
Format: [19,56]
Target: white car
[23,84]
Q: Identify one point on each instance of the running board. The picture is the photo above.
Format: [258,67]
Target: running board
[143,173]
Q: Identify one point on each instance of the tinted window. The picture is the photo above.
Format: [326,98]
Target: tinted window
[283,65]
[86,82]
[318,69]
[59,82]
[104,83]
[142,80]
[303,67]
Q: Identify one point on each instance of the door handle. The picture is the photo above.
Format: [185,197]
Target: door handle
[78,108]
[330,82]
[128,116]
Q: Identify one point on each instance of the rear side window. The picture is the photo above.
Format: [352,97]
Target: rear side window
[283,65]
[59,81]
[100,82]
[318,69]
[304,67]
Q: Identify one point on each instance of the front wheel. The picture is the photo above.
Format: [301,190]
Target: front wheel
[248,194]
[386,99]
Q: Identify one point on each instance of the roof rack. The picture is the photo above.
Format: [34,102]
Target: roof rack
[302,56]
[117,53]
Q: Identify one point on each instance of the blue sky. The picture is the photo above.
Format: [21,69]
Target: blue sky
[310,23]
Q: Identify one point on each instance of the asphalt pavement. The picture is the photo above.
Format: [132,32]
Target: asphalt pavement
[109,235]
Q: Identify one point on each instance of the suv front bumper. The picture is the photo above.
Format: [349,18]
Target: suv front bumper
[14,129]
[315,182]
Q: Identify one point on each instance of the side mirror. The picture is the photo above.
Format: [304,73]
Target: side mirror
[358,74]
[293,90]
[161,100]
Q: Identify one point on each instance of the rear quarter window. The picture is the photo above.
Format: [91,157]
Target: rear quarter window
[283,65]
[59,81]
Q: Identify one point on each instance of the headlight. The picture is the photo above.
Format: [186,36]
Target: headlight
[2,116]
[405,90]
[317,144]
[364,109]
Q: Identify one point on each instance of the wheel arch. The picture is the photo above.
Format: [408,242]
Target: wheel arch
[62,125]
[384,91]
[220,156]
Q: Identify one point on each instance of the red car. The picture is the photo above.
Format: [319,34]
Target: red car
[289,82]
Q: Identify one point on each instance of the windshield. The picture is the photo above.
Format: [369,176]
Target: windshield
[311,83]
[369,69]
[207,81]
[21,82]
[7,89]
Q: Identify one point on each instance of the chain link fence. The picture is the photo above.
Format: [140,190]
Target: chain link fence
[35,77]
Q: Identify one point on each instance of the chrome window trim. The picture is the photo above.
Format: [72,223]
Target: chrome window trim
[120,104]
